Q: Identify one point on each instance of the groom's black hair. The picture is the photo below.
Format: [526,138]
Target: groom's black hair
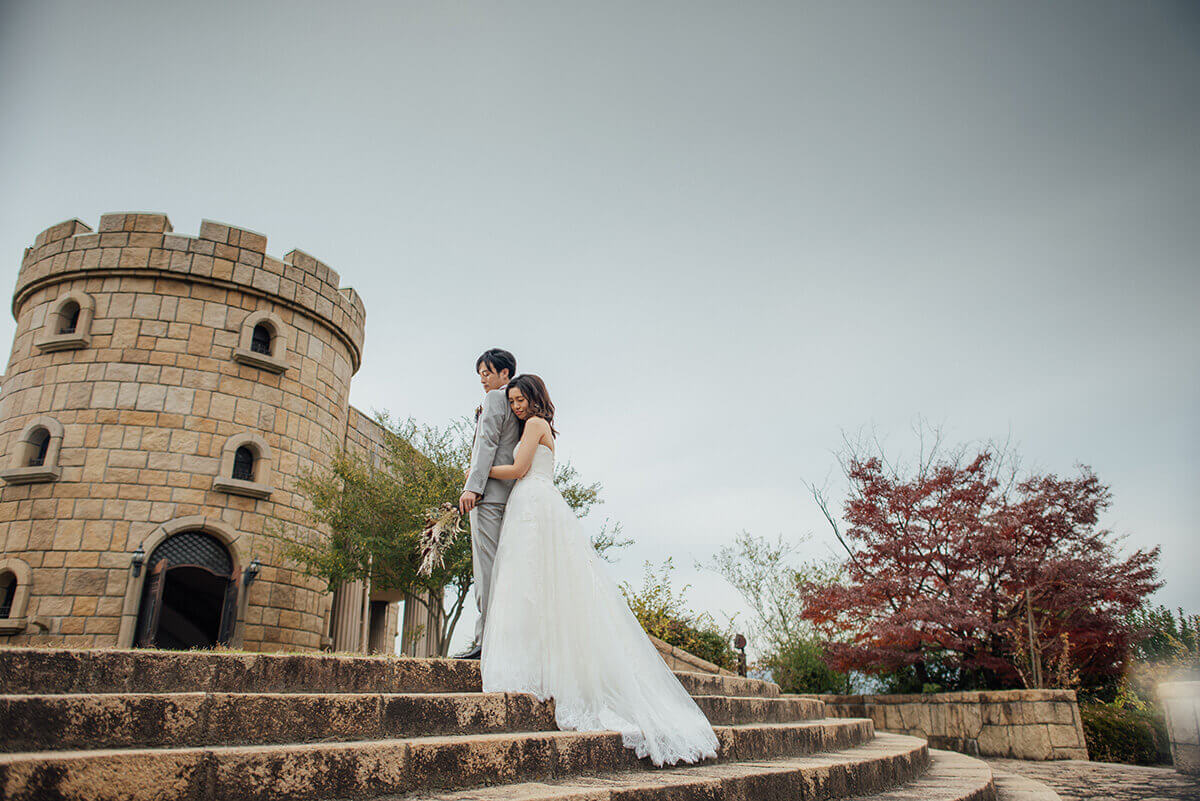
[498,359]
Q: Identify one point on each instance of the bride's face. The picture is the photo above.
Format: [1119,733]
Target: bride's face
[518,403]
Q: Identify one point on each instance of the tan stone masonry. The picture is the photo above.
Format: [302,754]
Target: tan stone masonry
[1022,724]
[150,393]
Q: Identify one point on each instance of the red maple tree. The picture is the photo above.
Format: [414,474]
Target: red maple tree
[997,580]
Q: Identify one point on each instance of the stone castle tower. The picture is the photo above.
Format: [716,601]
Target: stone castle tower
[163,394]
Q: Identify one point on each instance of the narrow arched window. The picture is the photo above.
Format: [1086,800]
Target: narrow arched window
[260,341]
[40,443]
[68,318]
[35,457]
[243,464]
[68,323]
[8,593]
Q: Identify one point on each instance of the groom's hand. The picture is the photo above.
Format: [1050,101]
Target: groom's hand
[467,501]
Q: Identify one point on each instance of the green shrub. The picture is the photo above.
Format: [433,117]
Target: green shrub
[799,667]
[708,644]
[1130,736]
[665,614]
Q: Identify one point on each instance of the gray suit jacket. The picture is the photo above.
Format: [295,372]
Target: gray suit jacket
[497,432]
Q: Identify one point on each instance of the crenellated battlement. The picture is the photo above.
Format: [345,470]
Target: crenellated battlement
[135,243]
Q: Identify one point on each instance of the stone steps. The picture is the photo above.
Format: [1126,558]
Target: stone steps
[81,721]
[95,725]
[367,768]
[1013,787]
[45,671]
[724,710]
[890,768]
[951,777]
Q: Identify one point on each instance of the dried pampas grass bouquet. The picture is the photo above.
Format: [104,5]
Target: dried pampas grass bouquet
[443,524]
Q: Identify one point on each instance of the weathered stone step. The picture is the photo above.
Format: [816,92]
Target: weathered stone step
[731,686]
[360,769]
[33,671]
[891,768]
[82,722]
[1014,787]
[43,671]
[951,777]
[726,710]
[91,721]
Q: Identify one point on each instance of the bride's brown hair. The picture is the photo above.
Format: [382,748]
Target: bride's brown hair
[534,390]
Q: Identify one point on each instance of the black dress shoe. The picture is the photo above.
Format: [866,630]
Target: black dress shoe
[474,653]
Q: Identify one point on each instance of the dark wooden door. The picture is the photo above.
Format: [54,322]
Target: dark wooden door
[151,604]
[228,612]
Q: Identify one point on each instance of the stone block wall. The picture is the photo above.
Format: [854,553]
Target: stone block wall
[1020,724]
[679,659]
[148,400]
[1181,703]
[350,625]
[365,437]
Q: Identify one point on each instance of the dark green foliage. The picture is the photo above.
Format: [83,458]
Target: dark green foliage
[374,512]
[707,643]
[1130,736]
[1165,635]
[665,614]
[799,667]
[936,674]
[368,513]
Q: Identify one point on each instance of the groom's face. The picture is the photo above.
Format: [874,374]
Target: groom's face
[490,378]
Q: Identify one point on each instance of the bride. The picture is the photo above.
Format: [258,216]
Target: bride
[557,626]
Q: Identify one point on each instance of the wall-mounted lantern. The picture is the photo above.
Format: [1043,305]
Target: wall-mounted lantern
[251,572]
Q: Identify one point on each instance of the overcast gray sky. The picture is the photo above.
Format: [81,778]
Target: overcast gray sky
[723,233]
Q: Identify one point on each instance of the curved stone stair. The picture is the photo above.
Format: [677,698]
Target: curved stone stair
[886,761]
[45,670]
[131,725]
[1012,787]
[125,720]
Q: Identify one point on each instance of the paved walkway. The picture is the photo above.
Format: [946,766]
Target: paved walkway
[1075,780]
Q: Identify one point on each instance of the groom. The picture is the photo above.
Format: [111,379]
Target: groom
[496,435]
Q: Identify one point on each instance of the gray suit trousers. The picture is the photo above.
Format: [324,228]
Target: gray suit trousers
[485,537]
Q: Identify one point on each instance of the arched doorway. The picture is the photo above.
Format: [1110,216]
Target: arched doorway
[190,596]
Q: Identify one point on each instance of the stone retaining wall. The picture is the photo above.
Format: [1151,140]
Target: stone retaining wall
[679,659]
[1021,724]
[1181,702]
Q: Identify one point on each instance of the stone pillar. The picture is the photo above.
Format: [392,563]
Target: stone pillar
[347,617]
[419,633]
[1181,702]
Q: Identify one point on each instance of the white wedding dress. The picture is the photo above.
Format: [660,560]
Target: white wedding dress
[558,627]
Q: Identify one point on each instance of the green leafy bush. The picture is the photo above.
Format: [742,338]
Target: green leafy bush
[665,614]
[799,667]
[1121,734]
[1165,635]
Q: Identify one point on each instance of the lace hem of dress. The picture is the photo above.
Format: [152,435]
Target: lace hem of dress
[661,751]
